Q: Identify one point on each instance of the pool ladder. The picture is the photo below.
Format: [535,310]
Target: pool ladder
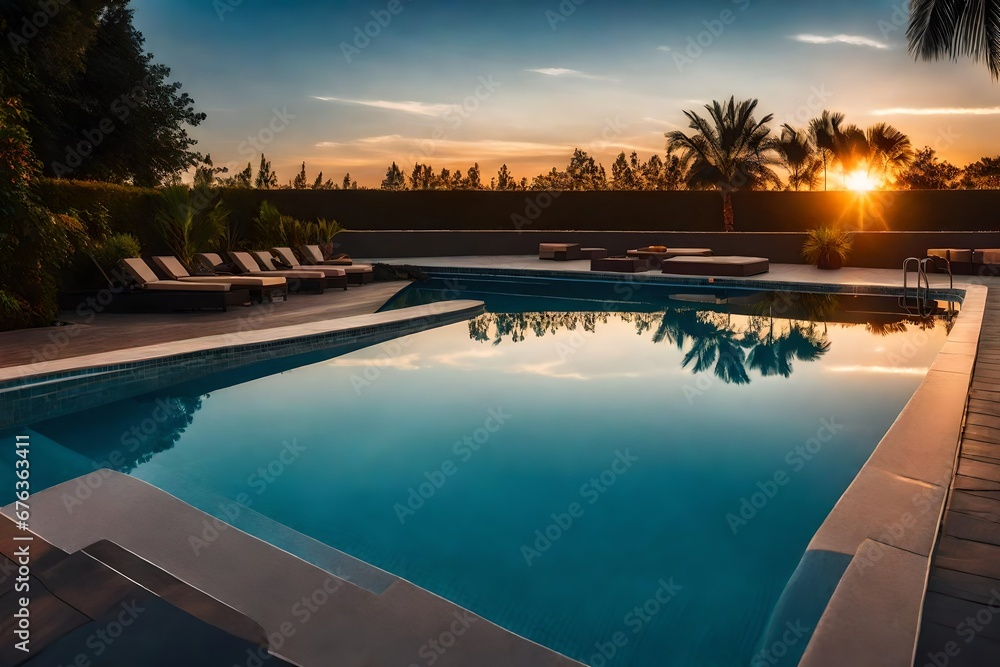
[923,306]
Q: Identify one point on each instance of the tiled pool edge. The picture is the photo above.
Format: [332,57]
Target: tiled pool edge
[50,389]
[654,278]
[873,553]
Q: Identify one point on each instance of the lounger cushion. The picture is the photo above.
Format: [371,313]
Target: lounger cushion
[267,261]
[245,262]
[716,266]
[238,281]
[171,266]
[984,256]
[313,255]
[139,271]
[952,254]
[185,286]
[287,256]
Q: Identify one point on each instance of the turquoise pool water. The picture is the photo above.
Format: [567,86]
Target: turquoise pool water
[626,477]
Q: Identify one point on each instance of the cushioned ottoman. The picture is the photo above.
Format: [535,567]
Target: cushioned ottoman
[619,264]
[716,266]
[559,251]
[594,253]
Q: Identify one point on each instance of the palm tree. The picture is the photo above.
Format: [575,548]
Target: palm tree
[954,28]
[730,150]
[851,149]
[889,150]
[798,156]
[824,132]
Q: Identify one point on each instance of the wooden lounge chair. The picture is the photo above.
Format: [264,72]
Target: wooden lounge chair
[357,274]
[156,294]
[311,254]
[305,278]
[261,288]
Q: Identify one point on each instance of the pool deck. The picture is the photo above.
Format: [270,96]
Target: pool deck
[108,332]
[878,550]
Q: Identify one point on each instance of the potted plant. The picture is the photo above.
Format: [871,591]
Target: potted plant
[827,247]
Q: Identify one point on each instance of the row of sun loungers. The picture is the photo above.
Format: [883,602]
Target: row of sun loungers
[250,277]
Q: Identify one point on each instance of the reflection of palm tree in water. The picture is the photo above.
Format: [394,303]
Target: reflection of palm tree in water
[712,342]
[715,344]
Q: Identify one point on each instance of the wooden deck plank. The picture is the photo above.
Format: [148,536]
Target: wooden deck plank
[964,577]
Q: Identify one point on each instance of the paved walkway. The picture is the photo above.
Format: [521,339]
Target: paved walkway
[110,331]
[961,620]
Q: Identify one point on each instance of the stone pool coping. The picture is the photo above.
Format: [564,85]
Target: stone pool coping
[872,554]
[311,616]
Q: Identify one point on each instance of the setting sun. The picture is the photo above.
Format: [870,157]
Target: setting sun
[861,181]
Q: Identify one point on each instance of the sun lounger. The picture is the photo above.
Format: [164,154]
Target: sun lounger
[247,265]
[716,266]
[357,274]
[960,260]
[261,288]
[298,281]
[311,254]
[306,279]
[160,294]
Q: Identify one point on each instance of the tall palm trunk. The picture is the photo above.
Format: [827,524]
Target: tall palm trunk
[727,211]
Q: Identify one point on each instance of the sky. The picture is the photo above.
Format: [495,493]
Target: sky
[353,85]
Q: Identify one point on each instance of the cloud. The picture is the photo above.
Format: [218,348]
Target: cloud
[562,71]
[664,47]
[939,111]
[852,40]
[418,108]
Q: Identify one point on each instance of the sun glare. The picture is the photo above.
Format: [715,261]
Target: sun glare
[861,181]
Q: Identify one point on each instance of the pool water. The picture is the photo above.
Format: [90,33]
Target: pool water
[629,478]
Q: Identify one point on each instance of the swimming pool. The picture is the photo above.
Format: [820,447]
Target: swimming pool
[628,476]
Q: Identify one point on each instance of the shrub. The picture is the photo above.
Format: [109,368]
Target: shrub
[190,220]
[109,253]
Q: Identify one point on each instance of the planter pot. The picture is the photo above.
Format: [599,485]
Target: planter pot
[830,262]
